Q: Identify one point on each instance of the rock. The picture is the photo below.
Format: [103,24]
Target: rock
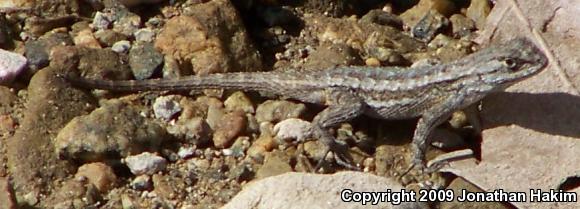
[7,197]
[36,52]
[74,193]
[102,21]
[144,35]
[293,128]
[121,46]
[144,60]
[211,38]
[142,183]
[186,152]
[330,55]
[108,37]
[30,155]
[239,147]
[87,39]
[263,144]
[381,17]
[145,163]
[96,63]
[461,25]
[429,25]
[194,130]
[132,3]
[413,15]
[239,101]
[242,172]
[165,107]
[478,11]
[276,110]
[275,163]
[113,129]
[305,190]
[230,126]
[99,174]
[11,65]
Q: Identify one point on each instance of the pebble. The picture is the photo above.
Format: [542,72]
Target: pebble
[166,107]
[186,152]
[230,126]
[142,183]
[192,130]
[145,163]
[102,21]
[99,174]
[109,37]
[293,128]
[144,60]
[121,46]
[144,35]
[239,101]
[11,65]
[276,163]
[277,110]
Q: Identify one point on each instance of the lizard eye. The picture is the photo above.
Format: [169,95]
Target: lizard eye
[510,63]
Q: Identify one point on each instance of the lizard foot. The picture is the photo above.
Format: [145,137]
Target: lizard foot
[420,166]
[341,157]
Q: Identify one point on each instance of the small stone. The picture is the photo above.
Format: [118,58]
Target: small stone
[142,183]
[478,11]
[7,197]
[262,145]
[37,52]
[108,38]
[192,130]
[87,39]
[276,163]
[242,172]
[239,147]
[239,101]
[145,163]
[186,152]
[230,126]
[144,60]
[11,65]
[99,174]
[293,128]
[429,26]
[165,107]
[276,110]
[102,21]
[144,35]
[461,25]
[121,46]
[373,62]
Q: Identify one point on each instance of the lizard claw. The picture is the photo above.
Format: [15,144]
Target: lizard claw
[419,165]
[341,158]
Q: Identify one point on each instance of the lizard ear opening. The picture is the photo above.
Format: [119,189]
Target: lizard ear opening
[511,64]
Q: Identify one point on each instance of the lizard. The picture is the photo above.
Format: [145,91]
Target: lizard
[430,93]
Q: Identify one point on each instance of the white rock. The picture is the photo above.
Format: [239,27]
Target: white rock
[121,46]
[293,128]
[11,65]
[145,163]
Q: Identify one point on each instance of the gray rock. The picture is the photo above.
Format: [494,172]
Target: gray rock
[192,130]
[165,107]
[186,152]
[11,65]
[121,46]
[113,129]
[36,52]
[102,21]
[144,35]
[145,163]
[142,183]
[276,110]
[144,60]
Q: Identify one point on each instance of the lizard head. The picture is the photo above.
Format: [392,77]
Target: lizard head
[511,62]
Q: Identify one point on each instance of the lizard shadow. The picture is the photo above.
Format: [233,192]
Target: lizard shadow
[550,113]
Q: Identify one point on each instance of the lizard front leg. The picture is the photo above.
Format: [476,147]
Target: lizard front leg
[344,107]
[428,121]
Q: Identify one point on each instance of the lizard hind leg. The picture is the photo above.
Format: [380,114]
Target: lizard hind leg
[345,107]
